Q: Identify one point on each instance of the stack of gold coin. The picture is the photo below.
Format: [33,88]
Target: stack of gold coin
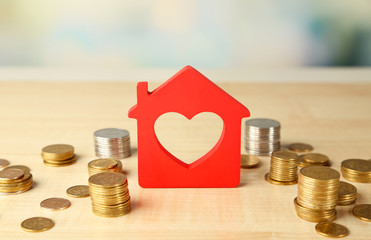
[109,194]
[104,165]
[58,155]
[347,194]
[313,215]
[312,159]
[15,179]
[317,193]
[356,170]
[283,169]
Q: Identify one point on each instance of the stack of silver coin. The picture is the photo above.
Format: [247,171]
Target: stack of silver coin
[262,136]
[112,143]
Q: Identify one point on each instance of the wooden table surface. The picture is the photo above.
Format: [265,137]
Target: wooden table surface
[334,118]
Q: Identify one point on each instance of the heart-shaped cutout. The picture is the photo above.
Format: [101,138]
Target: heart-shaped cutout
[188,140]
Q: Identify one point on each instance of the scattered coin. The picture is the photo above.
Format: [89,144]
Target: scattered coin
[37,224]
[79,191]
[331,229]
[300,147]
[58,155]
[363,212]
[312,159]
[262,136]
[104,165]
[112,143]
[347,194]
[249,161]
[3,163]
[55,204]
[283,168]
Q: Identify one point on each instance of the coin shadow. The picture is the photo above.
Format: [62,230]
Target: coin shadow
[285,146]
[134,204]
[134,151]
[34,184]
[125,172]
[242,184]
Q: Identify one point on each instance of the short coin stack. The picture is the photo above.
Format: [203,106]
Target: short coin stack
[356,170]
[58,155]
[283,169]
[109,194]
[347,194]
[363,212]
[112,143]
[3,163]
[300,147]
[249,161]
[312,159]
[317,193]
[15,179]
[104,165]
[262,136]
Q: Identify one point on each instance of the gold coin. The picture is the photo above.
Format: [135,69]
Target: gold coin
[11,174]
[272,181]
[79,191]
[37,224]
[3,163]
[249,161]
[107,179]
[58,149]
[24,168]
[315,158]
[330,229]
[59,165]
[357,165]
[55,204]
[284,155]
[300,147]
[320,173]
[103,163]
[363,212]
[346,189]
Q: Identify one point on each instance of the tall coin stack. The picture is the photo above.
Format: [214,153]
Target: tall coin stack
[109,194]
[15,179]
[58,155]
[317,193]
[112,143]
[356,170]
[283,169]
[104,165]
[262,136]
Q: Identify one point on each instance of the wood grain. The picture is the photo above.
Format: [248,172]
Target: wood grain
[334,118]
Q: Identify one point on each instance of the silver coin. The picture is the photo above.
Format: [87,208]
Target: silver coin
[111,133]
[263,123]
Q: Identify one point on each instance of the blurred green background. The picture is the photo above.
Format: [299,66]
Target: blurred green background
[171,33]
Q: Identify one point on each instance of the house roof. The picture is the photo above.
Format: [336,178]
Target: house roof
[190,87]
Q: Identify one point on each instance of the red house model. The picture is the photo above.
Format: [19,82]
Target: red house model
[188,93]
